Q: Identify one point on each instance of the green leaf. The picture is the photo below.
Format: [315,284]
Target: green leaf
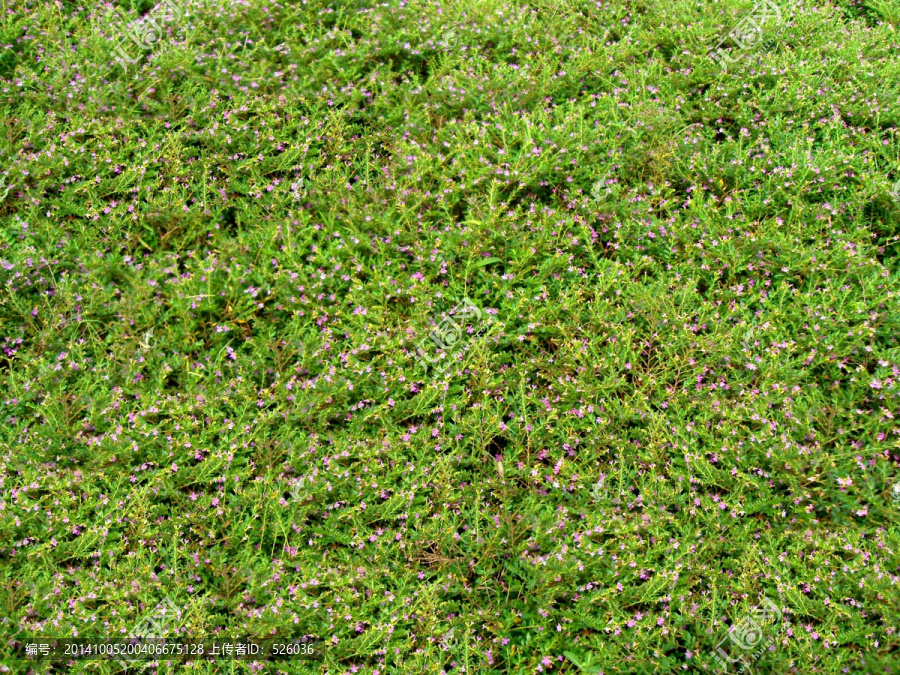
[584,667]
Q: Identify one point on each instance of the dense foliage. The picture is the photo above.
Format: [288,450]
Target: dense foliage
[216,268]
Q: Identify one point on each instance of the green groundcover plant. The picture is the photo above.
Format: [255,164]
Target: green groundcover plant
[466,337]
